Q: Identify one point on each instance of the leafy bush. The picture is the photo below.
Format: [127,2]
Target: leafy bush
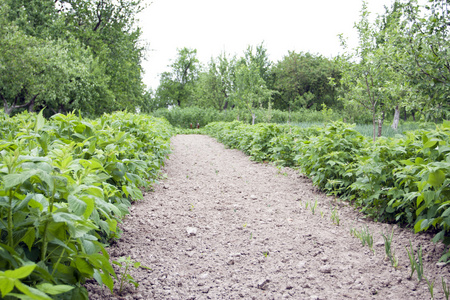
[64,186]
[327,156]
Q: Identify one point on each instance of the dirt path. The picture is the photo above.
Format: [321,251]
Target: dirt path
[224,227]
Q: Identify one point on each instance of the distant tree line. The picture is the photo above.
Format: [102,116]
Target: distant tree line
[401,64]
[299,80]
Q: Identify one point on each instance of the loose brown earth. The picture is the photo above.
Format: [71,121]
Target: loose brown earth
[224,227]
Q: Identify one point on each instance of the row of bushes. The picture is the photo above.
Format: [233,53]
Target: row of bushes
[404,180]
[65,184]
[183,117]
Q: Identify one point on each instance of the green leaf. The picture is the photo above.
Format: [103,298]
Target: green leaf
[446,212]
[108,281]
[90,205]
[31,292]
[29,237]
[418,160]
[54,289]
[446,124]
[80,293]
[84,267]
[40,121]
[12,180]
[21,272]
[6,284]
[418,226]
[76,205]
[436,178]
[430,144]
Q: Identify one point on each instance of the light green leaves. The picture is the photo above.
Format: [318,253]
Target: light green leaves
[436,178]
[61,189]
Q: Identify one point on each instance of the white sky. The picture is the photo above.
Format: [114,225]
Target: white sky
[213,26]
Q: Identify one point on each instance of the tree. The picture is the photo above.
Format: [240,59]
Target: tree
[108,28]
[418,49]
[103,35]
[176,87]
[302,80]
[60,76]
[250,90]
[367,78]
[215,86]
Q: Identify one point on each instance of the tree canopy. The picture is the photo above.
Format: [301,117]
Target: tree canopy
[74,54]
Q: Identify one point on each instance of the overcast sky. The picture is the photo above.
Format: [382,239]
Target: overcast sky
[213,26]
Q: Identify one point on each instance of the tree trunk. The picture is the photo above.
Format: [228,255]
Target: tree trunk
[396,118]
[380,124]
[289,120]
[226,105]
[253,118]
[413,114]
[31,106]
[374,123]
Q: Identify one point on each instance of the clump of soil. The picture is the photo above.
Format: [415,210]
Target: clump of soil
[224,227]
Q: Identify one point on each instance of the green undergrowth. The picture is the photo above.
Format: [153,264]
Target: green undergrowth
[404,179]
[65,184]
[184,117]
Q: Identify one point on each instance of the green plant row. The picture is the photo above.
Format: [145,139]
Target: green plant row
[404,180]
[183,117]
[65,184]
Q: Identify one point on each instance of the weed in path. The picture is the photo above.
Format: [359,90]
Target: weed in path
[126,263]
[364,236]
[335,216]
[416,265]
[390,254]
[281,172]
[445,288]
[313,207]
[430,287]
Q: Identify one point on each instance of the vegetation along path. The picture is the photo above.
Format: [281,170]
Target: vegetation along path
[224,227]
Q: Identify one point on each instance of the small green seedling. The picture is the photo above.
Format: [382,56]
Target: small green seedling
[445,288]
[126,263]
[416,265]
[387,247]
[335,217]
[430,287]
[266,254]
[313,207]
[364,236]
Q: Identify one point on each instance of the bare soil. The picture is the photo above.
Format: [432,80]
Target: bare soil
[223,227]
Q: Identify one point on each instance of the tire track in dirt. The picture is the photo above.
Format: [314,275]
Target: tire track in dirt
[224,227]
